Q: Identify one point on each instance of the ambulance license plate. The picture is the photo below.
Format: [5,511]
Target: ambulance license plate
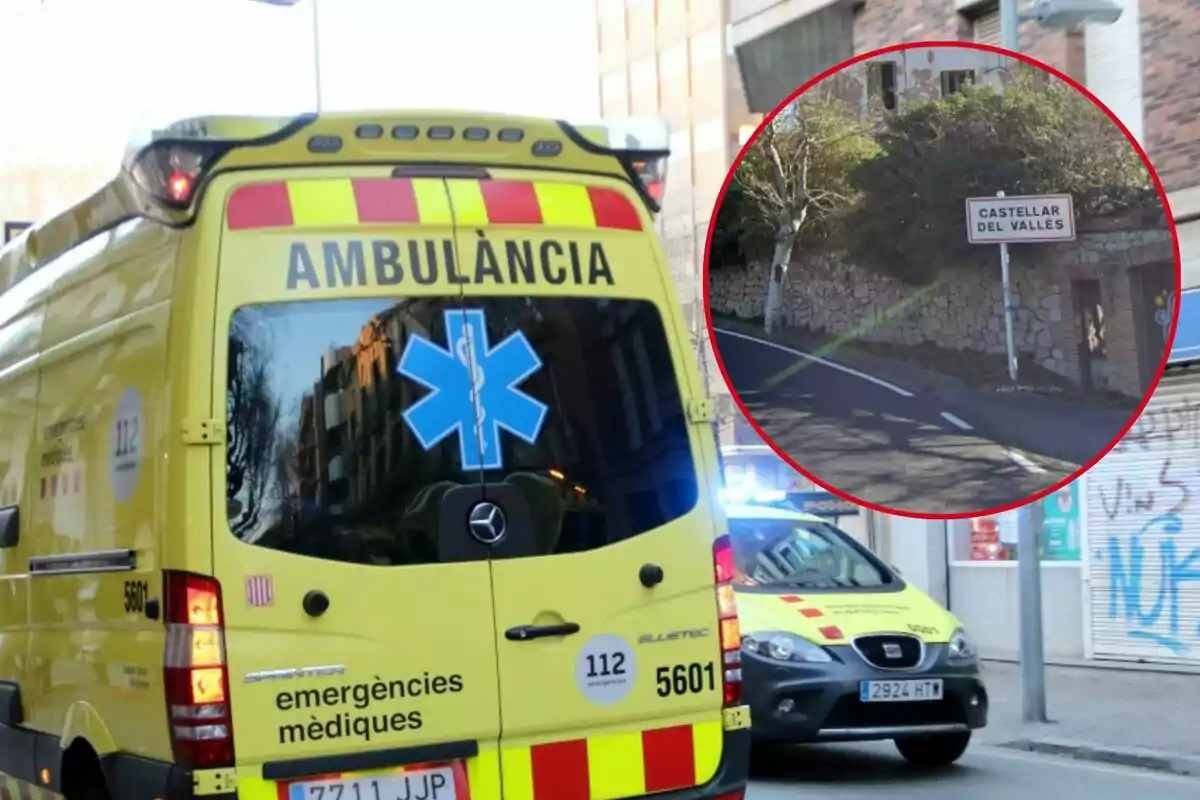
[900,691]
[418,784]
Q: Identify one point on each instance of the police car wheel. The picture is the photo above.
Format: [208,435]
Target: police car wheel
[937,750]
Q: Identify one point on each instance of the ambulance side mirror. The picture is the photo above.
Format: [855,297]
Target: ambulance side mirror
[10,527]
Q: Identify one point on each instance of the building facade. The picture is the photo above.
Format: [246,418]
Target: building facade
[670,58]
[32,189]
[1138,66]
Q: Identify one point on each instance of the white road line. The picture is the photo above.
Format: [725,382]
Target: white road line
[823,361]
[1023,462]
[953,420]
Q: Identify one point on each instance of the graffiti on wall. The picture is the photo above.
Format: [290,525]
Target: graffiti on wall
[1147,572]
[1143,552]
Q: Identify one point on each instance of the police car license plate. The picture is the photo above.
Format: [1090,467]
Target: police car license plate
[900,691]
[418,784]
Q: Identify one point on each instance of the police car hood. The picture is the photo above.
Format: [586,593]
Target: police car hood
[836,617]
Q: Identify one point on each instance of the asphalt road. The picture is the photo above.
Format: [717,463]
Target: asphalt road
[874,770]
[877,440]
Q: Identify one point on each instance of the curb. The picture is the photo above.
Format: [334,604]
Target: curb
[1141,758]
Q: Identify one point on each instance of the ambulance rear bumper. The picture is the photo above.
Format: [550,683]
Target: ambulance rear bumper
[147,779]
[730,781]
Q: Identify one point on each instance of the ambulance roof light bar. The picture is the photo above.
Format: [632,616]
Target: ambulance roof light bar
[641,143]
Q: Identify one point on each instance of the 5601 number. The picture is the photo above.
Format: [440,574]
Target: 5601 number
[691,678]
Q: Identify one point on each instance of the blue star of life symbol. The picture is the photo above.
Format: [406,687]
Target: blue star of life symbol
[473,389]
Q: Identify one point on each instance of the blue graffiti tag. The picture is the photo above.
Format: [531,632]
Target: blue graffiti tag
[474,389]
[1125,568]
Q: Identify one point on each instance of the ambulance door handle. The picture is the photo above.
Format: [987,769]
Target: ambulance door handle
[525,633]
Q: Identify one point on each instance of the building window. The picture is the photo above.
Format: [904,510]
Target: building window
[680,145]
[614,91]
[673,61]
[645,11]
[986,29]
[953,80]
[673,72]
[642,74]
[706,46]
[881,83]
[672,9]
[708,135]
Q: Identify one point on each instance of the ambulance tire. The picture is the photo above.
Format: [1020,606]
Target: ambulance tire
[83,778]
[936,750]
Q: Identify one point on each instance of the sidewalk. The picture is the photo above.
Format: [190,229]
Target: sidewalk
[1124,716]
[1046,426]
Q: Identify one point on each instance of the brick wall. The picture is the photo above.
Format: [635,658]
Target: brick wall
[827,293]
[1170,54]
[882,22]
[1171,89]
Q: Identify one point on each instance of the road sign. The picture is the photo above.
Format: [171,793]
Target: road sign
[13,229]
[1186,346]
[1014,220]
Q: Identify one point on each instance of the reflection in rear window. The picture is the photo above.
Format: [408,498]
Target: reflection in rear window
[323,459]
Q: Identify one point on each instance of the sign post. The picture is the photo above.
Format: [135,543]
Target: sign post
[1003,220]
[1024,219]
[1031,520]
[1010,340]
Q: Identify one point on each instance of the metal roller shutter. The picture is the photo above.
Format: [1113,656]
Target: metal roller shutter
[1189,252]
[1143,532]
[986,28]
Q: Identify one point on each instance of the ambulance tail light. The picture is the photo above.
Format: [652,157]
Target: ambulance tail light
[642,145]
[195,673]
[170,162]
[727,619]
[171,171]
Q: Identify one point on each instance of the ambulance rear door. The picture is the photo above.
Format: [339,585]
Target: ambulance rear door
[358,614]
[595,496]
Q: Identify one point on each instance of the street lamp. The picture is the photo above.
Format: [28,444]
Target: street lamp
[1054,14]
[316,34]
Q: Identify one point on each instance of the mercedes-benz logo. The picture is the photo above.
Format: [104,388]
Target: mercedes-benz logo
[487,523]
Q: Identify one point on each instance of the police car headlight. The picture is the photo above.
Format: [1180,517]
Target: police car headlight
[780,646]
[961,648]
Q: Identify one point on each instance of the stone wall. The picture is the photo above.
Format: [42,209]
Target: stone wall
[965,310]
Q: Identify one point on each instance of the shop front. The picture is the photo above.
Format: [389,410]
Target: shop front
[1142,563]
[982,577]
[1120,549]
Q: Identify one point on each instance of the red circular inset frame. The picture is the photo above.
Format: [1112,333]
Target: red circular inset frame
[985,511]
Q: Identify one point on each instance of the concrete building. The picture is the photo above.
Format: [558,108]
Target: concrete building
[32,188]
[670,58]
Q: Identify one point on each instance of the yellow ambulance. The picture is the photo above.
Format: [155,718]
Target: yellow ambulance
[361,457]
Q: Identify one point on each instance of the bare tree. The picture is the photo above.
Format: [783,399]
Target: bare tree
[797,173]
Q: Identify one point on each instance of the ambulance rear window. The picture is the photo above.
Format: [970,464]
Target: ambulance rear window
[346,423]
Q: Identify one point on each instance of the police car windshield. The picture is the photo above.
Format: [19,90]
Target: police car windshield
[780,553]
